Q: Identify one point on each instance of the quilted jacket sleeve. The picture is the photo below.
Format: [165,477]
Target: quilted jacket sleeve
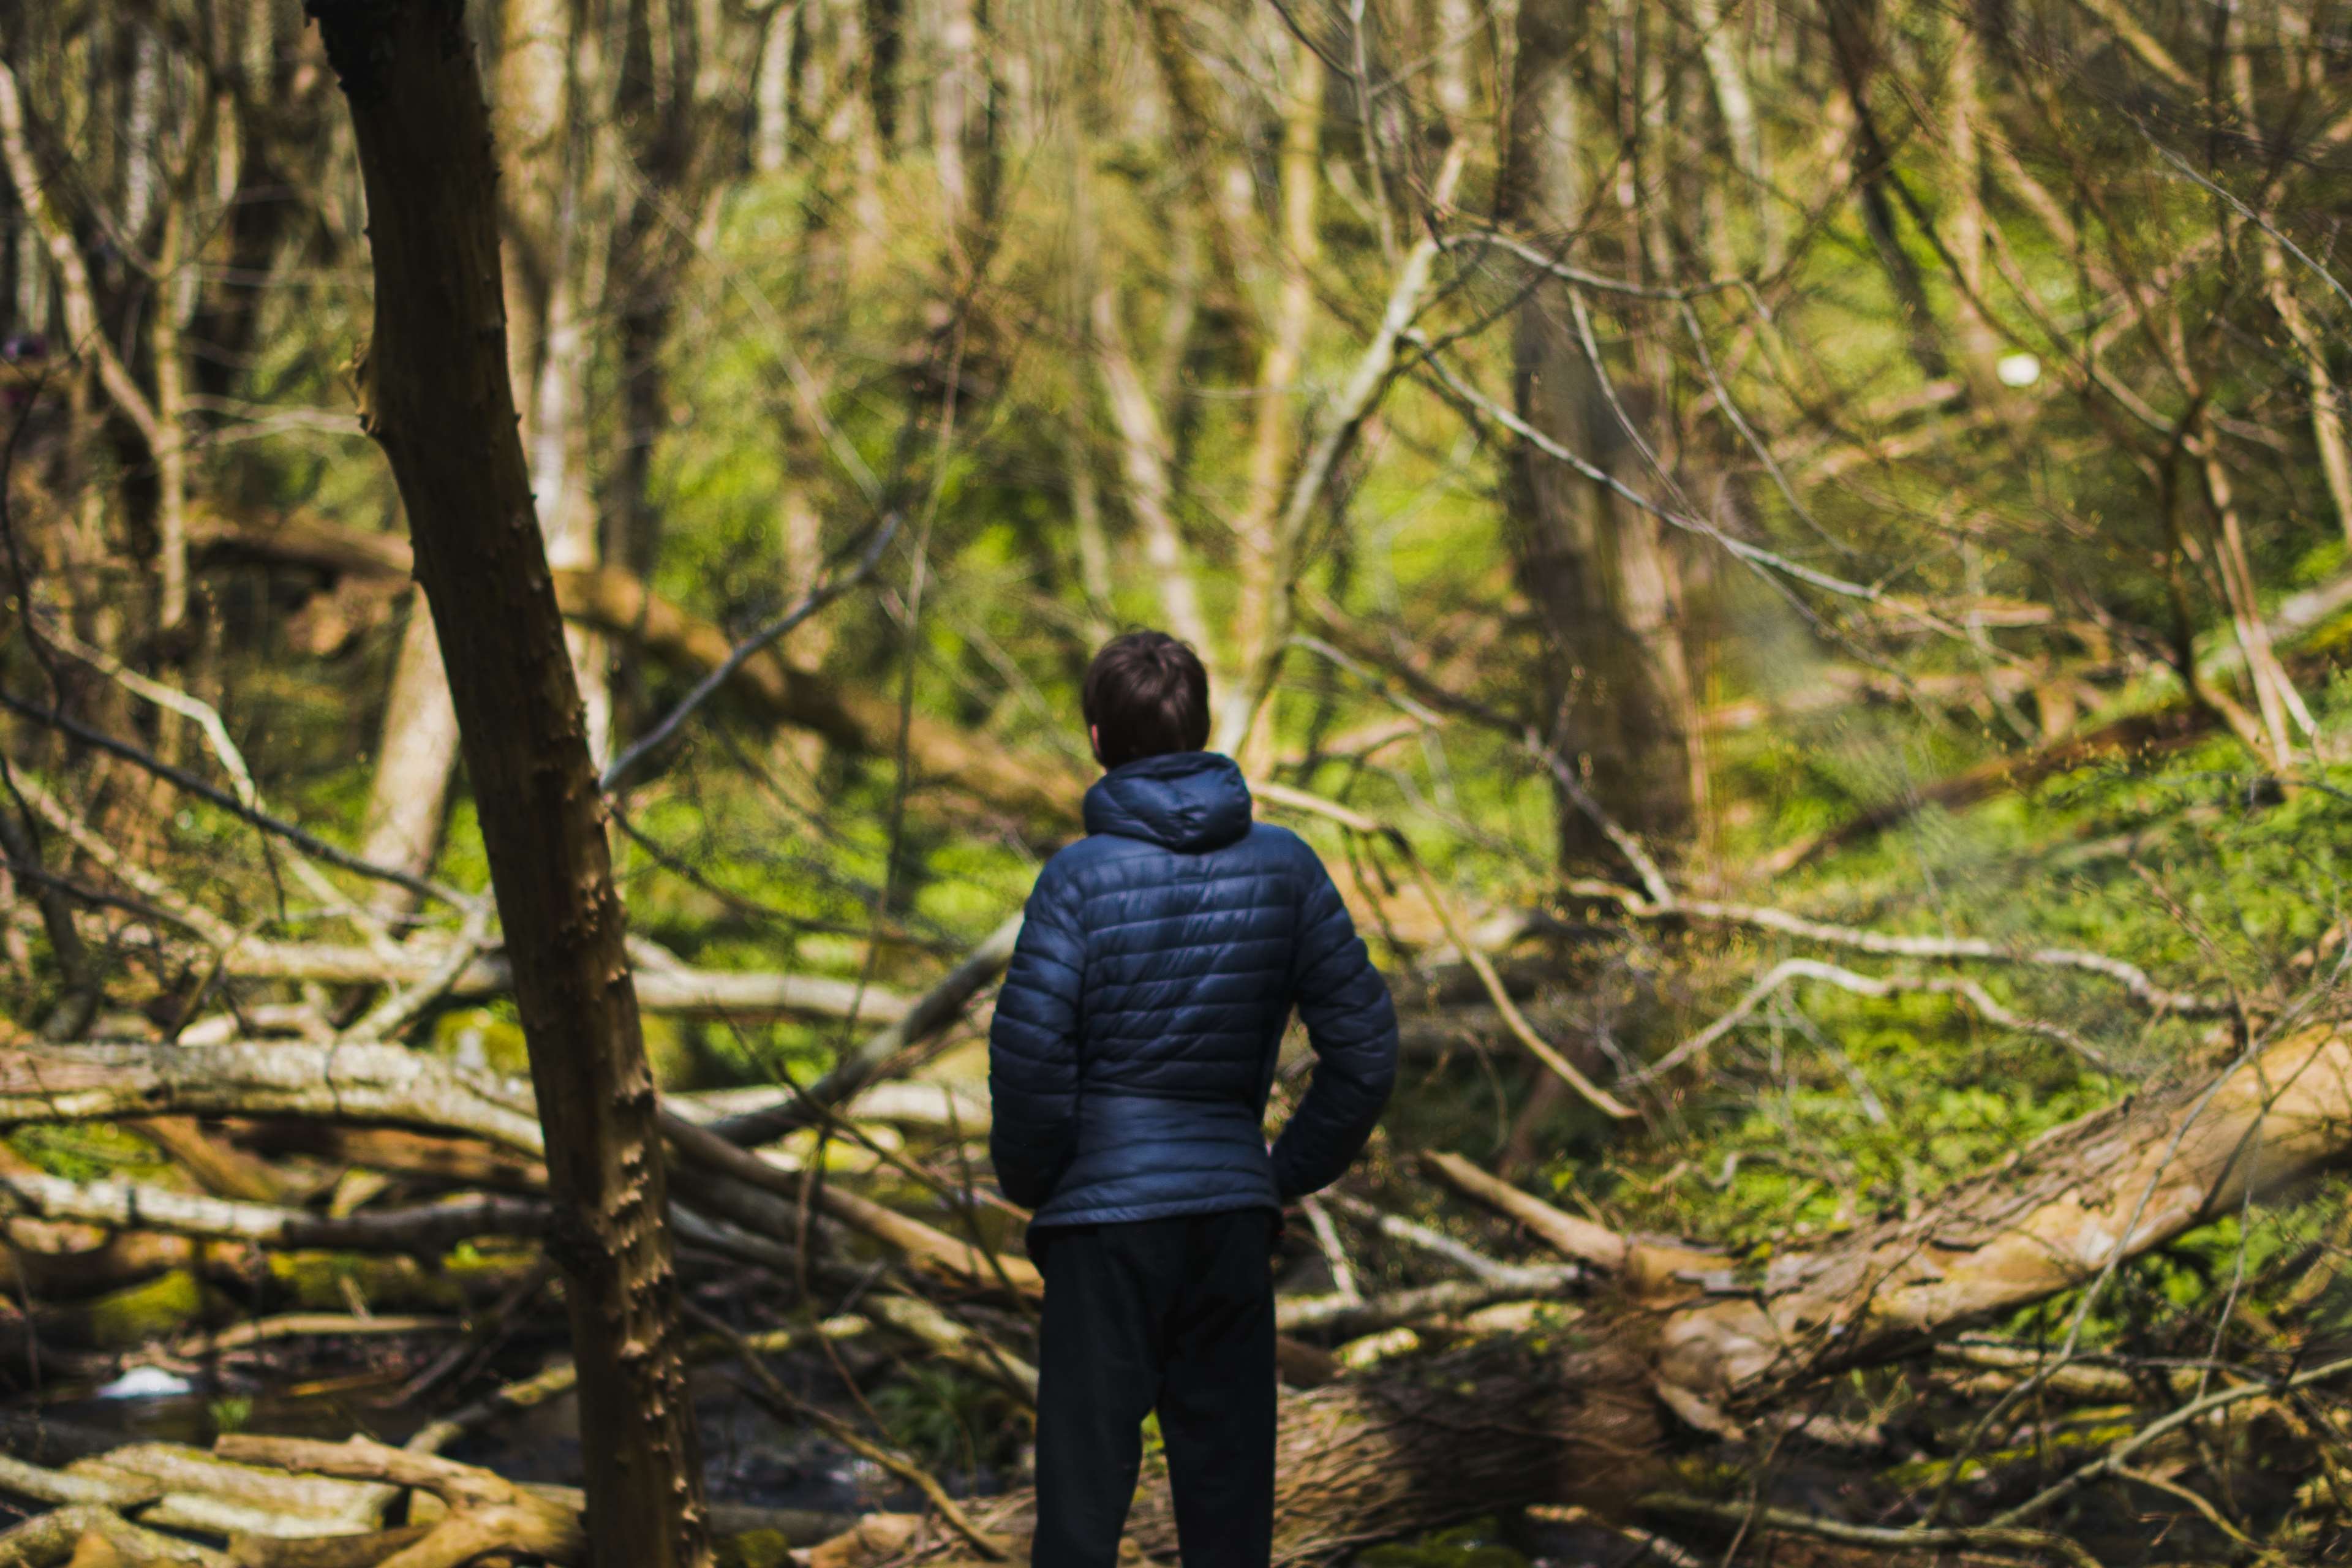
[1033,1047]
[1351,1024]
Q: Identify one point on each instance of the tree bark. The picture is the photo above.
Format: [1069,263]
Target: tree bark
[1596,568]
[620,605]
[440,401]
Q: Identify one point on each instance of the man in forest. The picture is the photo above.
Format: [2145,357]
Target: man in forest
[1130,1064]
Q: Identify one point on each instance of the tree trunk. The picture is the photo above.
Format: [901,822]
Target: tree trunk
[1274,440]
[2074,1203]
[1505,1423]
[410,792]
[440,401]
[547,365]
[1595,567]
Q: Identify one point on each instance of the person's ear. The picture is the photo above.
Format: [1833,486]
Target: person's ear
[1094,740]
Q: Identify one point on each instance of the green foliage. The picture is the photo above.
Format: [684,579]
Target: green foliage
[753,1549]
[1470,1545]
[945,1418]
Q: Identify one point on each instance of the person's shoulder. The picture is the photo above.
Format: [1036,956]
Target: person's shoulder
[1273,840]
[1080,865]
[1280,849]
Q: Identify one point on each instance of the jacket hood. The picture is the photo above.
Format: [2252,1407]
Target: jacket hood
[1184,800]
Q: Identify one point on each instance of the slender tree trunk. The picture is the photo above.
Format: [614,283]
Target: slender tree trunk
[1218,183]
[547,362]
[410,793]
[1273,443]
[1595,567]
[1853,28]
[1979,345]
[438,399]
[2327,432]
[954,93]
[1145,452]
[1728,75]
[886,38]
[172,298]
[772,143]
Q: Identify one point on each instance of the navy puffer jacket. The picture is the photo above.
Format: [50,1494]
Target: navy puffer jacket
[1135,1035]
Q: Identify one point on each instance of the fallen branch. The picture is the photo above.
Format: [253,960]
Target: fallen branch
[2061,1213]
[1749,1516]
[1436,1243]
[2169,727]
[310,844]
[308,1325]
[348,1083]
[2135,982]
[915,1025]
[623,605]
[561,1377]
[663,984]
[1647,1268]
[53,1537]
[486,1513]
[1877,985]
[1344,1317]
[936,1248]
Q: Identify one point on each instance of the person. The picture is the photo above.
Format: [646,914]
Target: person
[1129,1063]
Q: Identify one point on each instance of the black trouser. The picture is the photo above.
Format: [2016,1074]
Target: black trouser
[1173,1315]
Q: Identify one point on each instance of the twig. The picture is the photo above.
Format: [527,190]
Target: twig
[179,778]
[810,602]
[1515,1021]
[930,1013]
[1412,1233]
[782,1401]
[1334,1253]
[1898,1537]
[2135,982]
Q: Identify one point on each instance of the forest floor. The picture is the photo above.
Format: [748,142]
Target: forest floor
[2185,1406]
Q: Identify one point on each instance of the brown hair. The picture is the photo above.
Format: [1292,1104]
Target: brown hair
[1146,693]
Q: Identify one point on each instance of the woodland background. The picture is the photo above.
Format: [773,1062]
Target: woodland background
[1791,555]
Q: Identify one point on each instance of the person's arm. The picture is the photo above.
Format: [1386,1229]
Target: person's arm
[1351,1024]
[1033,1048]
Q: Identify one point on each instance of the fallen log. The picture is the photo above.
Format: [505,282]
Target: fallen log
[1418,1444]
[466,1161]
[60,1537]
[1398,1447]
[2064,1211]
[624,607]
[666,986]
[486,1513]
[354,1083]
[425,1229]
[2163,731]
[215,1494]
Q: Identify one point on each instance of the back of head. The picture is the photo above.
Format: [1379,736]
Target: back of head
[1146,694]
